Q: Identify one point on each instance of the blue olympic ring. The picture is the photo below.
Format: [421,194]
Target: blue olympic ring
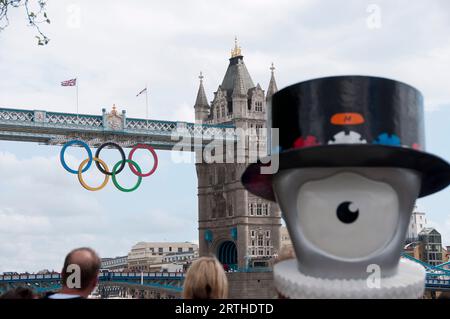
[63,150]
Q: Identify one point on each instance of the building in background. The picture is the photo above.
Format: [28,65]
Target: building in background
[115,264]
[431,242]
[417,223]
[414,249]
[150,256]
[446,255]
[285,238]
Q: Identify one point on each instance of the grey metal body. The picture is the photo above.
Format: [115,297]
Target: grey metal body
[314,261]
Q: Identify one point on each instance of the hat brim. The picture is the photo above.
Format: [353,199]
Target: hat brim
[435,171]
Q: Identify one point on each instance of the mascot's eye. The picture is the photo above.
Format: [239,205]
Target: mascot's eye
[347,213]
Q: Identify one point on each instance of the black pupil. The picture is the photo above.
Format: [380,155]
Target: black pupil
[345,215]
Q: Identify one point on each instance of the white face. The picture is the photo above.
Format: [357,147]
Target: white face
[347,215]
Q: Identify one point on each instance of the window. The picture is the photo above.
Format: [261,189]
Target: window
[253,242]
[260,240]
[261,252]
[258,209]
[268,243]
[258,106]
[160,250]
[267,233]
[191,249]
[180,249]
[170,248]
[252,233]
[251,209]
[264,209]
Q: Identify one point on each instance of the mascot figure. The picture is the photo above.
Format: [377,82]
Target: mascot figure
[351,165]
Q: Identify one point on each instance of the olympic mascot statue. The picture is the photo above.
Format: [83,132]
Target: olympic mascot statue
[352,164]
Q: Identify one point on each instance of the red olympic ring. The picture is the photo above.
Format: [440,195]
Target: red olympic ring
[155,160]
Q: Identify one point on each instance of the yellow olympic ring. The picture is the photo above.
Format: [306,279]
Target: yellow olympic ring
[80,175]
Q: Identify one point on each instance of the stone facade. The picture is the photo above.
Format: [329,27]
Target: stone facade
[239,228]
[257,285]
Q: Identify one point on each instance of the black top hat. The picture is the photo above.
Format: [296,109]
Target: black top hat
[350,121]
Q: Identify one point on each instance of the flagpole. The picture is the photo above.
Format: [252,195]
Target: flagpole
[76,84]
[146,103]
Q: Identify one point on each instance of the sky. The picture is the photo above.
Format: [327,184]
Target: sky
[115,48]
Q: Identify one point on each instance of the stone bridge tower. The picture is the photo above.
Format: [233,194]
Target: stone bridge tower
[239,228]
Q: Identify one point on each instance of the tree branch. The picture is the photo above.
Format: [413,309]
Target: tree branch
[34,18]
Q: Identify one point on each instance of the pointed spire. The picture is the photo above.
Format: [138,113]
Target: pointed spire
[201,100]
[239,86]
[272,89]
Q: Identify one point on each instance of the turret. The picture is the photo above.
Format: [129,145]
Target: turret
[272,89]
[201,103]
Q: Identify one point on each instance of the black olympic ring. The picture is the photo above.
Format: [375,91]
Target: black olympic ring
[122,153]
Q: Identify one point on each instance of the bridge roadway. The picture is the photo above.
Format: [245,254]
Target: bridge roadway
[165,283]
[55,128]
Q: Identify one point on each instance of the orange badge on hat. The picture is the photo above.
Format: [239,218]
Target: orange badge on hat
[347,119]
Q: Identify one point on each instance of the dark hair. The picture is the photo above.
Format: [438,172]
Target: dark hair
[19,293]
[89,267]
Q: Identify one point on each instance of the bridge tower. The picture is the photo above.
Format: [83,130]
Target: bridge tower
[239,228]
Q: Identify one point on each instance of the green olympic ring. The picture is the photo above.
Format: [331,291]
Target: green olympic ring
[114,179]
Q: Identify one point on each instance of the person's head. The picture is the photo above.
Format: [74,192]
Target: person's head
[19,293]
[80,271]
[205,279]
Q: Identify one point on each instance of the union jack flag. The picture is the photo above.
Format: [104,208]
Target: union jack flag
[71,82]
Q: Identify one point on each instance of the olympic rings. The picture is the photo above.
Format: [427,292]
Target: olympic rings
[63,150]
[131,163]
[83,183]
[103,168]
[155,160]
[122,153]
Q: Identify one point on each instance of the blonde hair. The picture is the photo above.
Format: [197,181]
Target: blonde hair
[205,279]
